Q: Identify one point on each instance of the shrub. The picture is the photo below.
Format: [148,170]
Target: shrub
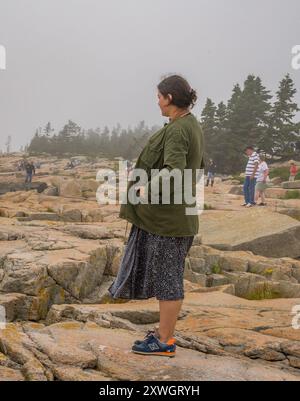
[263,291]
[216,269]
[268,272]
[239,178]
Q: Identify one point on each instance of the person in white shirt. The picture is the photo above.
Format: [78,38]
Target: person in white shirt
[261,181]
[250,176]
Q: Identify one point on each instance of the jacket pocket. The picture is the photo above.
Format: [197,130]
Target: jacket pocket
[151,155]
[153,150]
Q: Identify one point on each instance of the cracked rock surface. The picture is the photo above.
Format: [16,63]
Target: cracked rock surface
[219,337]
[60,252]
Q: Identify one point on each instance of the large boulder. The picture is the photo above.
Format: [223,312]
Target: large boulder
[261,231]
[20,186]
[236,190]
[20,306]
[221,336]
[39,268]
[292,212]
[70,188]
[245,271]
[276,180]
[276,193]
[88,231]
[48,216]
[92,215]
[10,375]
[291,185]
[89,185]
[255,287]
[71,215]
[51,191]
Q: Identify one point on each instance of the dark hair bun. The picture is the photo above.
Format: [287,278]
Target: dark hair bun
[183,96]
[194,97]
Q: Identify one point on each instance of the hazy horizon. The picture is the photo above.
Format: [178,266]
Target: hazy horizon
[98,62]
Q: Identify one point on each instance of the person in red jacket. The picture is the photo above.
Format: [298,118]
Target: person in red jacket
[293,171]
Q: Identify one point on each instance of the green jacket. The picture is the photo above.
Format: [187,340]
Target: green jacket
[177,145]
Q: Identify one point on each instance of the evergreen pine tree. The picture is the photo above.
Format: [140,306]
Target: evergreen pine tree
[283,132]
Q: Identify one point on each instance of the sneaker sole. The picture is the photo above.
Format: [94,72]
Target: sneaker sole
[169,354]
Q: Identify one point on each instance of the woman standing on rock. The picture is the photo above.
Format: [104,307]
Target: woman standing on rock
[162,234]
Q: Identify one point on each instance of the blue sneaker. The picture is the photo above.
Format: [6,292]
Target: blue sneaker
[149,332]
[152,346]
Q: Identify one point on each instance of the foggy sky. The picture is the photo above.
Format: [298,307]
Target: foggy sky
[98,62]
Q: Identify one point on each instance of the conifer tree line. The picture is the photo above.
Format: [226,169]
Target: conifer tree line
[252,116]
[73,140]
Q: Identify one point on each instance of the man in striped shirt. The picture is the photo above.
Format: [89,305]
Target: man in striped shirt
[251,176]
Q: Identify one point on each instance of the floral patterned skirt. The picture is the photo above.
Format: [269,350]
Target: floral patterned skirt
[151,266]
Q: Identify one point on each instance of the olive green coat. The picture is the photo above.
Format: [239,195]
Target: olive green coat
[178,145]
